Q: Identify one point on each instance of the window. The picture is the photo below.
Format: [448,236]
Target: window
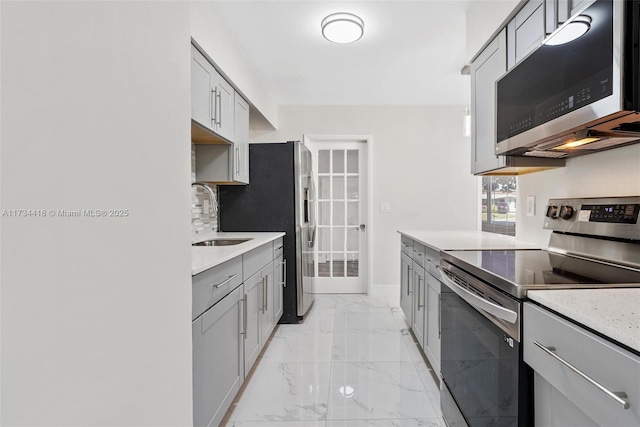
[499,204]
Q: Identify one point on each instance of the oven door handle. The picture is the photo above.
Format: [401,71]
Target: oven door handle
[481,303]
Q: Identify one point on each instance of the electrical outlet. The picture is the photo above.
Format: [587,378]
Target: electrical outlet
[384,208]
[531,205]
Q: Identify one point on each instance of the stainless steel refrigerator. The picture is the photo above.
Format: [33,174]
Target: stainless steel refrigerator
[280,196]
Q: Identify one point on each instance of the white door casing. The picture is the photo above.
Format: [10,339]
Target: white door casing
[341,173]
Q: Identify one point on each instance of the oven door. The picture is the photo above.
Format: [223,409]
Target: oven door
[486,381]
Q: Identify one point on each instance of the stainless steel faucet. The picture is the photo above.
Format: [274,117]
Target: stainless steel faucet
[209,190]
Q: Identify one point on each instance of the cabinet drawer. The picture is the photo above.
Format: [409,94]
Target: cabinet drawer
[609,365]
[433,260]
[406,243]
[278,248]
[257,258]
[419,254]
[213,284]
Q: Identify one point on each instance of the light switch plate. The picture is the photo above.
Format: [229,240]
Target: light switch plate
[384,208]
[531,205]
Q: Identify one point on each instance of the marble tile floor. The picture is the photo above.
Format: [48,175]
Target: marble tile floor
[352,363]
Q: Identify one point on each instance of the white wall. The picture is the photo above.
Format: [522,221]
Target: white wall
[96,312]
[420,166]
[609,173]
[211,33]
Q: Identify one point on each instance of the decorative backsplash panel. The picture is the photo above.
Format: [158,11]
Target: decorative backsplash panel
[203,220]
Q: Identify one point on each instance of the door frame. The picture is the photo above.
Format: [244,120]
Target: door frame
[367,139]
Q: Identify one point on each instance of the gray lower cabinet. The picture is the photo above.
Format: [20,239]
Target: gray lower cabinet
[232,321]
[419,302]
[420,296]
[432,323]
[266,303]
[279,281]
[581,379]
[253,302]
[406,298]
[218,362]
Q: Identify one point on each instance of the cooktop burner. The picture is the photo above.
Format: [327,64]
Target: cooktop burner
[516,271]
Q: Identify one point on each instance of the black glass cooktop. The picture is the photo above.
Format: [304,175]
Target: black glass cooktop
[539,269]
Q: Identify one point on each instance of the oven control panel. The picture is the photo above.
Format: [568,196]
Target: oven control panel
[611,213]
[605,216]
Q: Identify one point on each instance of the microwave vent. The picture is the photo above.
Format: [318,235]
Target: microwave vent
[608,143]
[547,154]
[627,127]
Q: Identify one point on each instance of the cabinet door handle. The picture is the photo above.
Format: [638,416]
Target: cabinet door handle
[261,284]
[237,161]
[244,317]
[284,272]
[439,316]
[214,106]
[420,279]
[266,297]
[616,396]
[408,279]
[219,109]
[229,278]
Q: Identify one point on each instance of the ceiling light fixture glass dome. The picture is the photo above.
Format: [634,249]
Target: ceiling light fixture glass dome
[571,31]
[342,28]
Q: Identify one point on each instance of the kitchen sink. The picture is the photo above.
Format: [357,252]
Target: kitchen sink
[220,242]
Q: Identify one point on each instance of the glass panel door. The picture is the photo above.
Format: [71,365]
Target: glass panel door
[341,225]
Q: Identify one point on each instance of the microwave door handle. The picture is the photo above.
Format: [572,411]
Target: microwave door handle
[481,303]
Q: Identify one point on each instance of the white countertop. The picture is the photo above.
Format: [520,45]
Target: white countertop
[615,313]
[465,240]
[205,257]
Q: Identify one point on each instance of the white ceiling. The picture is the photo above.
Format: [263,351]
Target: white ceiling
[411,52]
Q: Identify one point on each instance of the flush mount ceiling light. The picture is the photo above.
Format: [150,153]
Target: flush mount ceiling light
[570,31]
[342,28]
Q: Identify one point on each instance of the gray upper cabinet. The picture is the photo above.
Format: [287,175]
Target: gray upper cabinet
[488,67]
[574,6]
[220,125]
[224,111]
[241,144]
[212,98]
[526,31]
[202,81]
[556,13]
[536,20]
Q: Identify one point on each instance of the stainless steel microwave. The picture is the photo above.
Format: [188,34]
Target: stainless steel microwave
[578,96]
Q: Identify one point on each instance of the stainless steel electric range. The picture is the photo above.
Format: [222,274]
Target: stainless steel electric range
[595,243]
